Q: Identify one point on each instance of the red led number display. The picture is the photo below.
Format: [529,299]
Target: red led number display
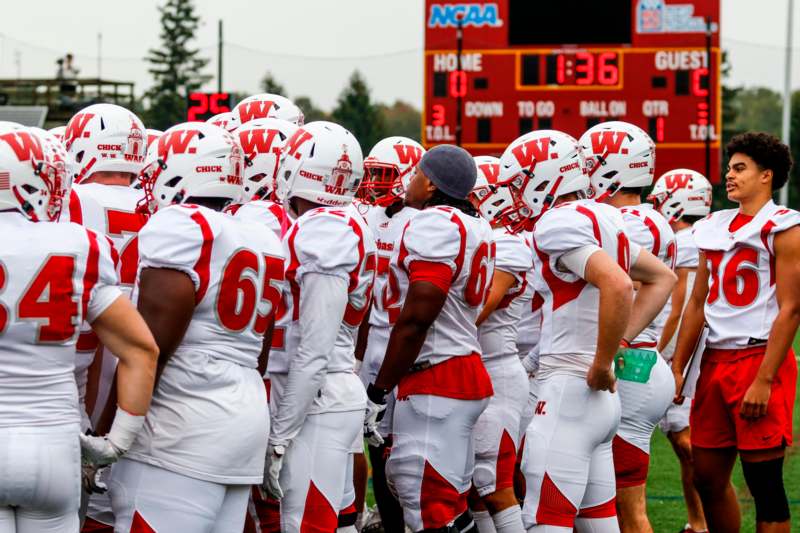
[203,106]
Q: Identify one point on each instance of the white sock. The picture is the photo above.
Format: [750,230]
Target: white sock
[483,520]
[509,520]
[346,529]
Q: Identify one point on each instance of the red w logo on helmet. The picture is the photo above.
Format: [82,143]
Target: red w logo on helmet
[296,141]
[176,142]
[408,154]
[491,171]
[257,141]
[25,145]
[677,181]
[76,128]
[608,142]
[533,151]
[252,110]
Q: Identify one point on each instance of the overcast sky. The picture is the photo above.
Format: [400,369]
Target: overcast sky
[312,46]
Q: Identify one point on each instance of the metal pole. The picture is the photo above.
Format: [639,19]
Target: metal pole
[459,48]
[219,56]
[708,98]
[787,94]
[99,56]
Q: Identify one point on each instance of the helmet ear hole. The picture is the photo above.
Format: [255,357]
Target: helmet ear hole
[173,182]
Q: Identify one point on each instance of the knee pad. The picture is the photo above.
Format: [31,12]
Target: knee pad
[765,481]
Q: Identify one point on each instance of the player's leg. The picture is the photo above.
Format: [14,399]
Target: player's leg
[570,422]
[712,479]
[347,516]
[763,473]
[496,438]
[315,471]
[643,407]
[360,475]
[682,446]
[144,496]
[232,512]
[8,520]
[598,513]
[41,478]
[432,458]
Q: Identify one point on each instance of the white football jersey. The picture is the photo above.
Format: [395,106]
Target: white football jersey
[687,254]
[570,304]
[53,276]
[335,242]
[649,229]
[264,212]
[386,303]
[208,418]
[463,242]
[109,210]
[497,334]
[741,303]
[530,321]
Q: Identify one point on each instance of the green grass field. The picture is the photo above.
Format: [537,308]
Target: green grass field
[665,504]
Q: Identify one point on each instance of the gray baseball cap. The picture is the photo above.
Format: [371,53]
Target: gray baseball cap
[451,169]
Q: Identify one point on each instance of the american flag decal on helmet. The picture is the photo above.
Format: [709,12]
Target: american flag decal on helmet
[5,182]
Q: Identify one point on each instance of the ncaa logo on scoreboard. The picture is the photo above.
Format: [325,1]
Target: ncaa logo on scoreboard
[475,15]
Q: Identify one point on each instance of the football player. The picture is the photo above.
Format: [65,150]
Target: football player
[433,357]
[266,105]
[497,432]
[208,287]
[262,141]
[683,196]
[317,400]
[387,172]
[52,277]
[621,162]
[746,290]
[583,259]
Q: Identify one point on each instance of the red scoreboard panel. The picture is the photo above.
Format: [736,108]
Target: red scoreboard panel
[569,64]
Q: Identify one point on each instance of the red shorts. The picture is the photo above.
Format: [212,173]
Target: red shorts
[630,463]
[725,376]
[93,526]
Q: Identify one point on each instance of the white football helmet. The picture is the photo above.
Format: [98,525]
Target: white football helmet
[388,169]
[152,136]
[106,137]
[226,120]
[492,198]
[6,125]
[540,167]
[59,157]
[31,182]
[681,192]
[58,132]
[267,105]
[192,160]
[618,154]
[322,163]
[262,141]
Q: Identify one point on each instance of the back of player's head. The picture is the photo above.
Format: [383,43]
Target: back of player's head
[451,169]
[767,151]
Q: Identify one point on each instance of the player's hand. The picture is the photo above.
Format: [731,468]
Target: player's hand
[601,378]
[90,479]
[376,407]
[272,470]
[678,377]
[754,404]
[98,451]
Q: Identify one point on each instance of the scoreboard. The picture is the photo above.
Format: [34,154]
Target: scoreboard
[570,64]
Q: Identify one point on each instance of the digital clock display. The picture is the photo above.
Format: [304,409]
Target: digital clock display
[584,69]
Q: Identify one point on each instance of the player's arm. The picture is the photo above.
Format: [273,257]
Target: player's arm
[616,296]
[787,290]
[657,282]
[501,283]
[423,304]
[266,345]
[678,300]
[691,326]
[323,299]
[166,302]
[363,336]
[123,331]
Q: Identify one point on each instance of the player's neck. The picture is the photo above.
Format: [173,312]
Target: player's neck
[623,199]
[679,225]
[301,206]
[751,206]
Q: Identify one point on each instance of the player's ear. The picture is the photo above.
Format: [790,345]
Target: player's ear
[766,176]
